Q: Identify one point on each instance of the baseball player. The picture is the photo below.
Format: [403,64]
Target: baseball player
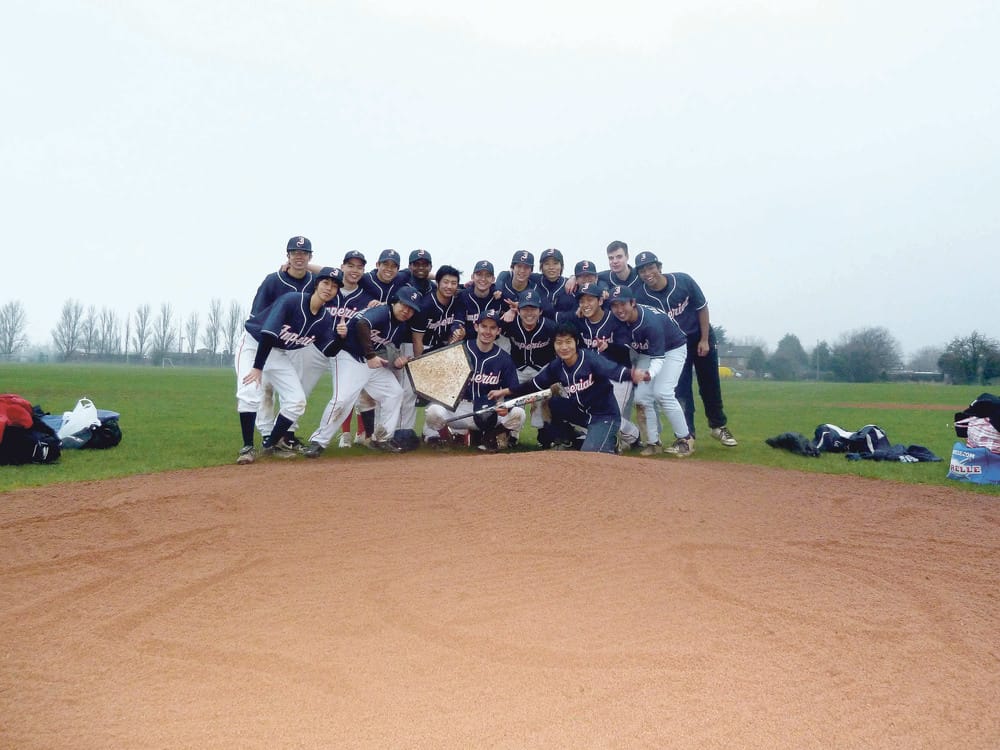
[418,273]
[351,300]
[383,280]
[492,368]
[619,272]
[586,379]
[679,296]
[660,344]
[519,278]
[603,333]
[441,320]
[479,296]
[552,284]
[530,337]
[294,321]
[297,277]
[358,366]
[585,272]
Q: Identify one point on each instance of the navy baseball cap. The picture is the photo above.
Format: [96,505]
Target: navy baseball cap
[593,288]
[489,314]
[529,298]
[328,272]
[355,254]
[585,266]
[420,255]
[621,293]
[484,265]
[388,255]
[299,243]
[645,258]
[551,253]
[523,256]
[409,296]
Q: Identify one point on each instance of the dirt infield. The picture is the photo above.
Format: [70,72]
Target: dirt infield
[326,605]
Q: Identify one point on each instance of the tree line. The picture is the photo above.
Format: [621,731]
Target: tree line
[861,356]
[868,355]
[102,334]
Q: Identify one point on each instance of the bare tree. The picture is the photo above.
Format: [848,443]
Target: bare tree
[109,332]
[234,324]
[66,334]
[13,324]
[213,327]
[140,339]
[191,329]
[164,338]
[89,330]
[128,333]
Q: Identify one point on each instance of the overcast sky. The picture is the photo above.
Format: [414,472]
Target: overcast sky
[816,166]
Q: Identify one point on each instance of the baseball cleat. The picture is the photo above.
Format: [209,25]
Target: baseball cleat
[345,440]
[388,446]
[247,455]
[652,449]
[724,436]
[681,447]
[313,450]
[276,451]
[361,439]
[291,443]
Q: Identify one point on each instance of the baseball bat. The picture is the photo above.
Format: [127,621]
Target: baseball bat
[529,398]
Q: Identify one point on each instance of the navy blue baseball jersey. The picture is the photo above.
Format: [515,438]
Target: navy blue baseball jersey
[681,298]
[491,371]
[504,280]
[437,322]
[373,329]
[424,286]
[555,298]
[474,305]
[587,382]
[530,348]
[654,333]
[349,304]
[610,280]
[608,329]
[378,289]
[276,284]
[290,324]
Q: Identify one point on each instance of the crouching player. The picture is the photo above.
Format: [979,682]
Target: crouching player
[586,378]
[359,367]
[293,322]
[492,368]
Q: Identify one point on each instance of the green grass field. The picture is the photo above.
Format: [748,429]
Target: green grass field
[180,418]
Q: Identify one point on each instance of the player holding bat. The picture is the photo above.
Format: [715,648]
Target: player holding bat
[585,379]
[492,367]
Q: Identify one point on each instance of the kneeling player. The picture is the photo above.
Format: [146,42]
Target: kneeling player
[492,367]
[586,379]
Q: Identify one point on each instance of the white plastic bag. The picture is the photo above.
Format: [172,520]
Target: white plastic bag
[78,425]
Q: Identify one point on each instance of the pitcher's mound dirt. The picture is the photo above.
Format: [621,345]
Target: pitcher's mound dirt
[510,601]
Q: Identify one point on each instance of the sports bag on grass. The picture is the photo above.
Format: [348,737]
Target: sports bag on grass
[974,465]
[77,426]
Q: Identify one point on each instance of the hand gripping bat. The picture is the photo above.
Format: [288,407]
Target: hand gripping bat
[509,404]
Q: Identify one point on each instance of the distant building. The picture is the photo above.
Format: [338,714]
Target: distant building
[735,357]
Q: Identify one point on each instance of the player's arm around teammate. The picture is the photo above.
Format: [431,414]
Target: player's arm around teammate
[293,322]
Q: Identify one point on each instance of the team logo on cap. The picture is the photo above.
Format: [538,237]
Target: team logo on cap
[415,296]
[585,266]
[300,242]
[522,258]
